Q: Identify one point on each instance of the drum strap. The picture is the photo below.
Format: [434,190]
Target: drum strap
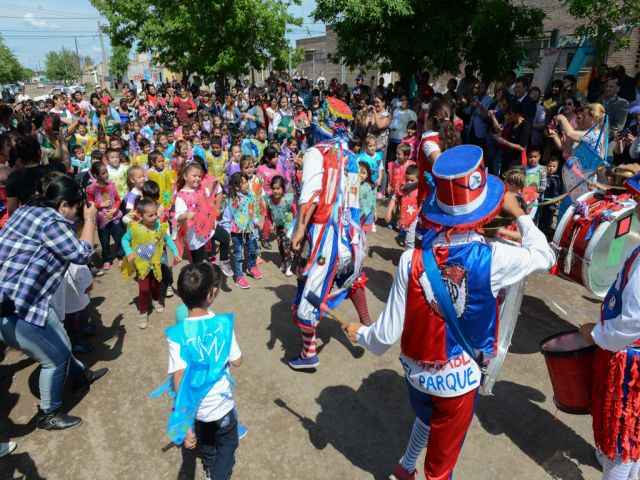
[443,299]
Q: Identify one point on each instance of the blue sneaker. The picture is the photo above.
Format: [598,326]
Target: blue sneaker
[242,431]
[300,363]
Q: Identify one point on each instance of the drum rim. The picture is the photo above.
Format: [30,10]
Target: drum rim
[588,252]
[571,353]
[569,410]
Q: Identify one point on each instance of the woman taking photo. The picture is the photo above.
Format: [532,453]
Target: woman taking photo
[37,245]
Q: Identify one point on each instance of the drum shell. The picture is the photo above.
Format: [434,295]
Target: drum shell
[571,374]
[586,265]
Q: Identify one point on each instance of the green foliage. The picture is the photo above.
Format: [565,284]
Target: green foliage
[211,38]
[409,35]
[119,62]
[602,17]
[10,68]
[62,65]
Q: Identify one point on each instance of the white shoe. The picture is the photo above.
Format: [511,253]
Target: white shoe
[157,306]
[169,293]
[374,229]
[6,448]
[288,273]
[143,321]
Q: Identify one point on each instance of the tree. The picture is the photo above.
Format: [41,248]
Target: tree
[119,62]
[10,68]
[211,38]
[410,35]
[611,22]
[62,65]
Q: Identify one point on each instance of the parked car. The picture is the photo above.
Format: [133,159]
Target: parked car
[40,85]
[40,100]
[78,87]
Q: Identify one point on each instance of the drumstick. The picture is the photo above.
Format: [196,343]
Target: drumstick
[317,302]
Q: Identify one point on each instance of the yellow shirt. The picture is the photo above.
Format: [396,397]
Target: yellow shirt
[140,159]
[87,141]
[165,179]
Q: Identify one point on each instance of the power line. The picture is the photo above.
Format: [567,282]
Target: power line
[46,11]
[54,18]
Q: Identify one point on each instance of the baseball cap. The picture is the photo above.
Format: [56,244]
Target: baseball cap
[359,77]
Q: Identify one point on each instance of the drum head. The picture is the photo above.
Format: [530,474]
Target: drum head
[509,311]
[608,248]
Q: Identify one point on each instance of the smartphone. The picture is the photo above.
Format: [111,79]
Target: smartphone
[625,132]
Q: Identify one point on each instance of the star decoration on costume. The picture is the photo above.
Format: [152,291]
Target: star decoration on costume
[411,210]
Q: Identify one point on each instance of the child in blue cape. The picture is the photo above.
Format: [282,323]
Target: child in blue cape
[201,347]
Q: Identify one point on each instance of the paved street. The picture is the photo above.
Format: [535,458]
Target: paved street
[350,419]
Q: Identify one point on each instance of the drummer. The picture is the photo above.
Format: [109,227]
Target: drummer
[615,400]
[442,378]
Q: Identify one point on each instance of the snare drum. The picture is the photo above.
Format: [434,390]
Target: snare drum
[595,235]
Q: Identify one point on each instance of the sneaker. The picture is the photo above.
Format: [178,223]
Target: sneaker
[288,272]
[169,293]
[143,321]
[226,269]
[106,266]
[374,229]
[81,347]
[241,282]
[157,306]
[208,473]
[266,244]
[7,447]
[255,273]
[300,363]
[399,473]
[242,431]
[283,268]
[96,272]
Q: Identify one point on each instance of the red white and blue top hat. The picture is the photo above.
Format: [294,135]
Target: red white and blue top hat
[634,184]
[465,195]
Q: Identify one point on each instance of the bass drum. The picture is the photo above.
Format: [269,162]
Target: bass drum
[594,236]
[510,302]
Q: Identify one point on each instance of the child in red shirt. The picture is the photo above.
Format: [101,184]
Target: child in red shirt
[397,173]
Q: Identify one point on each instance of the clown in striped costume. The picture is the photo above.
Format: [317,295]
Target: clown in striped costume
[443,369]
[329,221]
[615,399]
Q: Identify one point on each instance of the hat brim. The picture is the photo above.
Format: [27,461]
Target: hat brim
[495,191]
[634,184]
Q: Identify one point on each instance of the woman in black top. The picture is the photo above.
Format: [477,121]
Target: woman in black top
[515,136]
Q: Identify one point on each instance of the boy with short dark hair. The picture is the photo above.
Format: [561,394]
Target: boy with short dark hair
[200,350]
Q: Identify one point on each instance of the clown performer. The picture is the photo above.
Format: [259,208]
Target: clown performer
[455,272]
[329,223]
[615,398]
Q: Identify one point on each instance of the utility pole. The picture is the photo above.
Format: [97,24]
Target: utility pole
[105,70]
[79,64]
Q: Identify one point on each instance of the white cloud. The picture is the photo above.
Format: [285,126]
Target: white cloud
[34,22]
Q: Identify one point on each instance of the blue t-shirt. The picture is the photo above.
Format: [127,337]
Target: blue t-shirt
[374,162]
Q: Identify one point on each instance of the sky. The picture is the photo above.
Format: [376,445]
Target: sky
[31,28]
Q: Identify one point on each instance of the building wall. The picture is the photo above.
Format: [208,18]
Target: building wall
[558,17]
[321,47]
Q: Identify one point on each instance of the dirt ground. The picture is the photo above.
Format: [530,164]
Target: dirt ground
[350,419]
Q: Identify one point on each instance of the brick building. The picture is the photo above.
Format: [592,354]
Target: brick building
[316,60]
[559,18]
